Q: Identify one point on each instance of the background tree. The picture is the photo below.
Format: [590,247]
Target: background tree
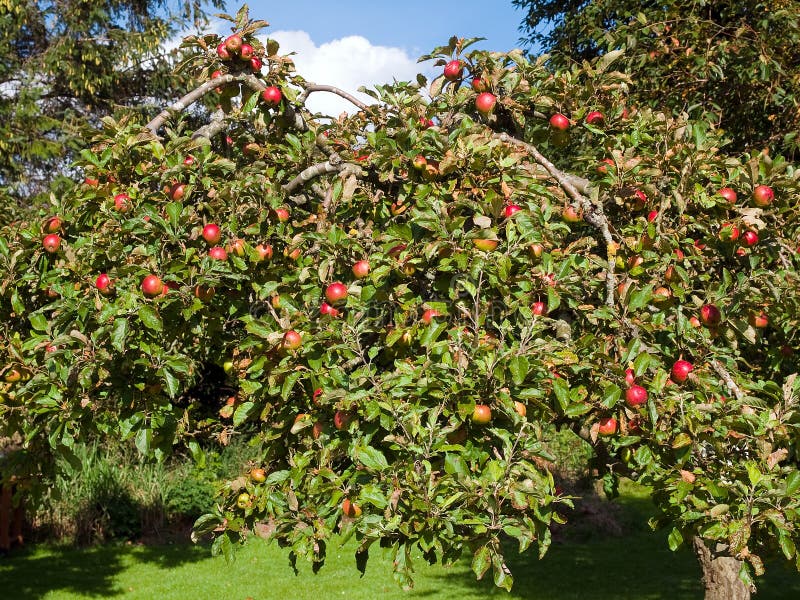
[737,58]
[407,299]
[63,66]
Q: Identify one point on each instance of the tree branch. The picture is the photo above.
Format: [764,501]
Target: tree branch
[592,213]
[313,87]
[334,164]
[726,377]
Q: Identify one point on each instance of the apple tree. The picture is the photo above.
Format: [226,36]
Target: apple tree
[405,300]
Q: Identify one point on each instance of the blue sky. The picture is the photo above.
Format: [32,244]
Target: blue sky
[417,26]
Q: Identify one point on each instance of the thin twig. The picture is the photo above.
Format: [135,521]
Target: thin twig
[313,87]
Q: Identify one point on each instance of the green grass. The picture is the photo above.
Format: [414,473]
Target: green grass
[637,566]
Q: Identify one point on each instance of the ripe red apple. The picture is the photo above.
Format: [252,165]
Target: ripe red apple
[482,414]
[51,243]
[233,43]
[222,52]
[608,426]
[750,237]
[763,196]
[177,191]
[681,370]
[728,232]
[246,52]
[571,215]
[327,309]
[258,475]
[236,246]
[91,181]
[272,96]
[710,315]
[453,70]
[336,293]
[189,160]
[361,269]
[52,225]
[536,250]
[652,216]
[602,167]
[479,85]
[759,319]
[729,194]
[595,117]
[641,200]
[510,210]
[217,253]
[341,419]
[152,286]
[419,162]
[263,252]
[203,293]
[282,214]
[13,376]
[539,308]
[559,122]
[662,294]
[429,315]
[256,64]
[635,396]
[212,234]
[485,102]
[630,377]
[351,509]
[485,244]
[317,429]
[103,284]
[694,321]
[292,340]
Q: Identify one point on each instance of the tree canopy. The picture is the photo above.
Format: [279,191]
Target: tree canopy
[737,58]
[66,64]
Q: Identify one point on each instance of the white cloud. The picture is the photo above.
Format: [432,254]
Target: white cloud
[347,63]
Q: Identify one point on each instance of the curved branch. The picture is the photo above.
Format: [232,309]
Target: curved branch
[155,124]
[726,377]
[333,165]
[313,87]
[592,213]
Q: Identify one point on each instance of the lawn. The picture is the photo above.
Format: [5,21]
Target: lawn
[637,565]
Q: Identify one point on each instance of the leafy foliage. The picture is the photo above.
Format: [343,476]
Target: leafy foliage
[736,58]
[408,406]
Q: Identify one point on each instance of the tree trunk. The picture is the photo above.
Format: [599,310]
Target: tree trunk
[720,572]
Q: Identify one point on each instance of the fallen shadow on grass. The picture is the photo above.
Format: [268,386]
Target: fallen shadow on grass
[32,573]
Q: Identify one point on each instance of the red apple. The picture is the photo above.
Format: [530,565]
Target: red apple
[419,162]
[571,215]
[520,408]
[750,237]
[635,396]
[217,253]
[256,64]
[539,308]
[429,315]
[510,210]
[485,244]
[453,70]
[103,284]
[595,117]
[236,246]
[710,315]
[641,200]
[258,475]
[177,191]
[212,234]
[272,96]
[203,293]
[233,43]
[482,414]
[536,250]
[91,181]
[759,320]
[479,85]
[681,370]
[351,509]
[361,269]
[292,340]
[729,194]
[222,52]
[652,216]
[728,232]
[559,122]
[341,419]
[246,52]
[52,225]
[630,377]
[602,167]
[263,252]
[327,309]
[763,196]
[336,293]
[282,214]
[51,243]
[152,286]
[608,426]
[485,102]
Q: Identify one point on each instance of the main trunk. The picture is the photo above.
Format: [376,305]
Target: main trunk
[720,572]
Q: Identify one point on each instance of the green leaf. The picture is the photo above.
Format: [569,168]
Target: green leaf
[38,321]
[144,438]
[518,366]
[481,561]
[562,392]
[792,483]
[372,458]
[674,539]
[118,334]
[150,318]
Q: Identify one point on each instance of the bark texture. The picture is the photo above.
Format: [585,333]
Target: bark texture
[720,572]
